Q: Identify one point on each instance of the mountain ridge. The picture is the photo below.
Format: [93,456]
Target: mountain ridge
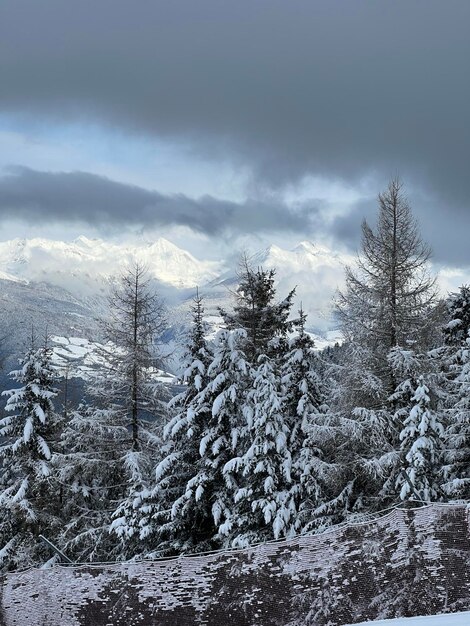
[85,267]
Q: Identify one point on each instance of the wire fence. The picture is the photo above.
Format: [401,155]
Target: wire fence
[398,561]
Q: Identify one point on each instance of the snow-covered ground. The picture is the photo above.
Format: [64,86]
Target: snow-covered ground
[455,619]
[85,356]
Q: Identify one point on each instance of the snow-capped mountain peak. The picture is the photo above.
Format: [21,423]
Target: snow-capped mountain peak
[94,261]
[85,266]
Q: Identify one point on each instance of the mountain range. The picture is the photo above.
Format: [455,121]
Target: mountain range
[61,284]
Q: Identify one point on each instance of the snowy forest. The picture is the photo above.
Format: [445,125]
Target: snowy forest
[266,437]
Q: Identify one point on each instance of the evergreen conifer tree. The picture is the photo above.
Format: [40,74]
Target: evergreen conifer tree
[388,297]
[258,313]
[421,448]
[137,319]
[92,472]
[457,368]
[111,442]
[208,499]
[310,434]
[29,492]
[387,303]
[407,367]
[265,505]
[457,458]
[167,523]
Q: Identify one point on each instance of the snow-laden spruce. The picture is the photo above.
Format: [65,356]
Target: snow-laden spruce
[91,467]
[311,434]
[457,465]
[175,514]
[192,505]
[421,448]
[406,367]
[29,492]
[456,365]
[265,506]
[209,494]
[257,311]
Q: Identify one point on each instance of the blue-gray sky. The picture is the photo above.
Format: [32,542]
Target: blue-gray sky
[280,118]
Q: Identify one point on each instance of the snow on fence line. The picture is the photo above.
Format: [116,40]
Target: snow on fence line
[408,562]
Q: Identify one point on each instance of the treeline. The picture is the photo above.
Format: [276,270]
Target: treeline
[268,438]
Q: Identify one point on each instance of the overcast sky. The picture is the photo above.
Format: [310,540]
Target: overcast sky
[219,121]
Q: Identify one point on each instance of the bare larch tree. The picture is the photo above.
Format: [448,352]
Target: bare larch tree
[390,293]
[136,320]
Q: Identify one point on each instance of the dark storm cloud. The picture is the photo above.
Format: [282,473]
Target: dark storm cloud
[83,197]
[446,230]
[331,87]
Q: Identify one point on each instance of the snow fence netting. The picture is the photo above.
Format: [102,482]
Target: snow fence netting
[408,562]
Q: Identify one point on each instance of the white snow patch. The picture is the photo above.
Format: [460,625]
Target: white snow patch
[448,619]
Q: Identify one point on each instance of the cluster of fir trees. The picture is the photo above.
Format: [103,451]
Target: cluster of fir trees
[247,439]
[240,456]
[268,438]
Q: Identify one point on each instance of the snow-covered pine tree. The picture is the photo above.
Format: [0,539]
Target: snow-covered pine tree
[111,442]
[407,367]
[388,296]
[257,311]
[168,522]
[457,368]
[92,473]
[456,482]
[421,449]
[311,435]
[136,320]
[207,503]
[265,505]
[387,303]
[457,328]
[29,492]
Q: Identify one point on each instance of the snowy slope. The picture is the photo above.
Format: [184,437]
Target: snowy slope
[83,356]
[455,619]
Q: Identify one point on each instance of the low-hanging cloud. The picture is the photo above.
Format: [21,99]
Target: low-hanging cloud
[82,197]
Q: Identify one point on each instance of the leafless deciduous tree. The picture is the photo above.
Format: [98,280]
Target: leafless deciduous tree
[390,293]
[136,319]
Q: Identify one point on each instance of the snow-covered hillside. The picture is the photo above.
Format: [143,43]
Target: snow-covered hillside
[77,357]
[455,619]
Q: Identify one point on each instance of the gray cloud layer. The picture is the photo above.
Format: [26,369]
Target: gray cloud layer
[83,197]
[329,85]
[290,87]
